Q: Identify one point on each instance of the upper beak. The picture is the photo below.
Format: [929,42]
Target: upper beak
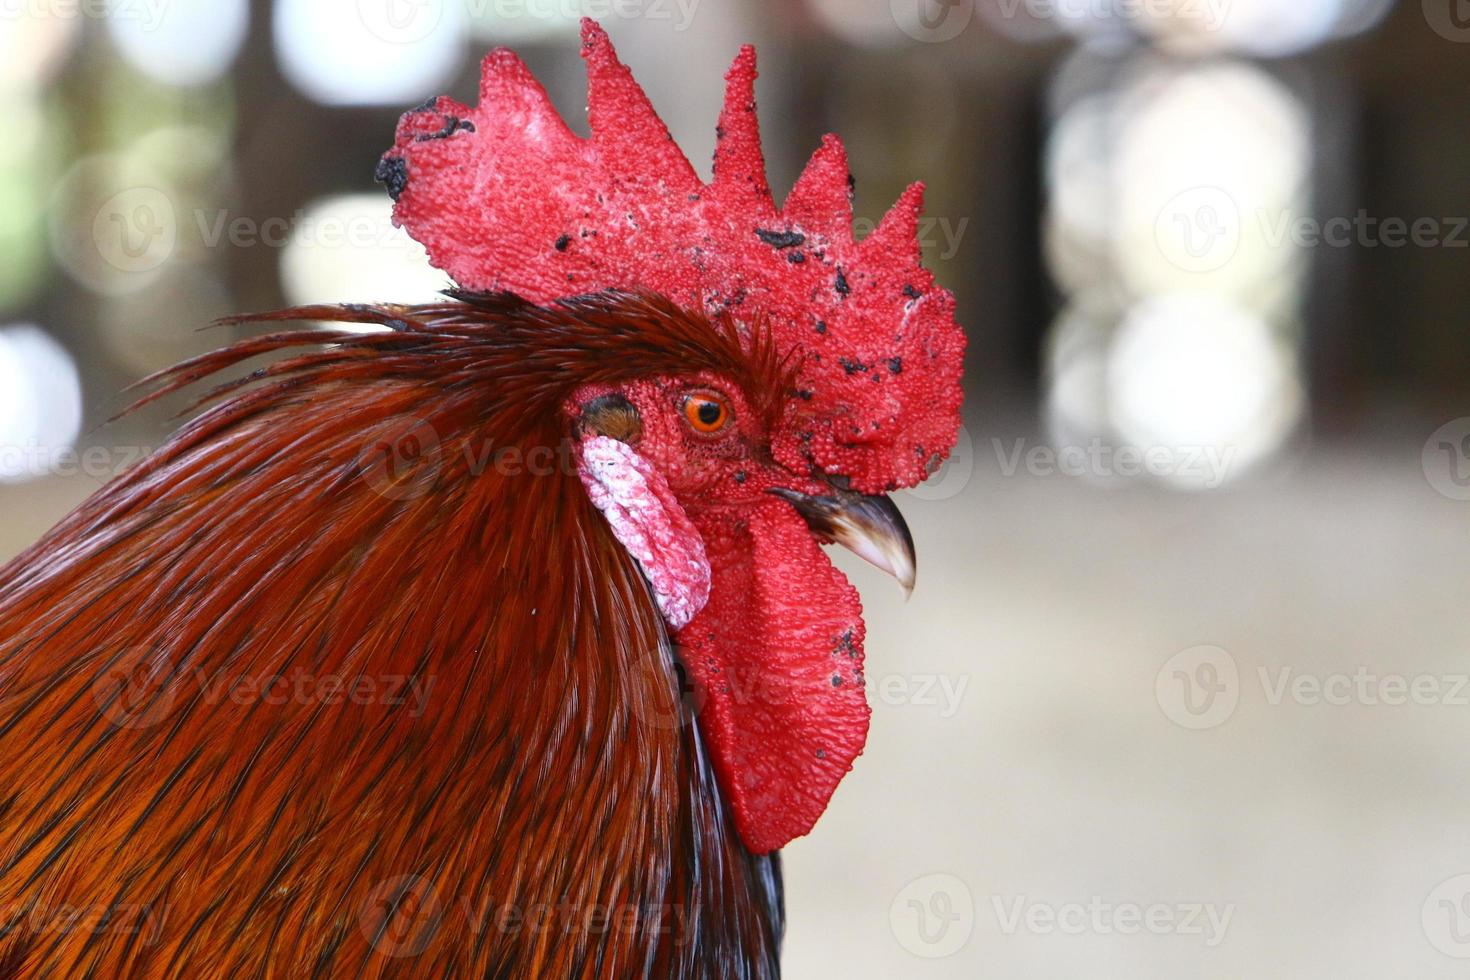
[869,526]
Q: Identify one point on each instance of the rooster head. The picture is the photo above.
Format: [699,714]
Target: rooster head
[723,485]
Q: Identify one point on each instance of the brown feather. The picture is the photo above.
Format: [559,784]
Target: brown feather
[550,765]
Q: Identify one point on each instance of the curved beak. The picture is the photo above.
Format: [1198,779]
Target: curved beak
[869,526]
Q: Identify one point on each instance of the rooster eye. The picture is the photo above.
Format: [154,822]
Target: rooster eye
[707,412]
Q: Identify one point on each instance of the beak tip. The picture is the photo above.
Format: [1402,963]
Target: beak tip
[869,526]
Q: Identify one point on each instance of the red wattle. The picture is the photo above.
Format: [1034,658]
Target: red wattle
[783,708]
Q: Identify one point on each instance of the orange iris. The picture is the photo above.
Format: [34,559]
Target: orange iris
[706,412]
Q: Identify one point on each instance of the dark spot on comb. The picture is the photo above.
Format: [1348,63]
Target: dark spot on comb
[895,364]
[843,289]
[739,476]
[910,291]
[796,258]
[821,754]
[821,326]
[851,366]
[392,173]
[780,239]
[563,242]
[836,680]
[804,395]
[427,105]
[452,125]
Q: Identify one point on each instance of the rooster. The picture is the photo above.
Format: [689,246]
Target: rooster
[497,640]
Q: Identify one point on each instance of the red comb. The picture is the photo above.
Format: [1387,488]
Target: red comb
[505,197]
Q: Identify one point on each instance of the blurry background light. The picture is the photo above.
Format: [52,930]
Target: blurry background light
[114,222]
[1205,208]
[180,42]
[1198,373]
[1267,28]
[345,248]
[1080,218]
[26,162]
[521,21]
[33,46]
[40,402]
[369,52]
[1076,406]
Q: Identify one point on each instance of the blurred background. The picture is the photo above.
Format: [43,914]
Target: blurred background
[1183,689]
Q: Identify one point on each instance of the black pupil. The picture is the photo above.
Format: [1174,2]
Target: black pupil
[709,413]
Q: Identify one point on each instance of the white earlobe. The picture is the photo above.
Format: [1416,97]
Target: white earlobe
[644,516]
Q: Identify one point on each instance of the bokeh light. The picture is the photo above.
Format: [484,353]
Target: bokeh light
[345,249]
[369,52]
[40,402]
[33,46]
[1197,374]
[181,42]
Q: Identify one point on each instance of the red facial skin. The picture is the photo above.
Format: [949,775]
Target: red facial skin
[782,708]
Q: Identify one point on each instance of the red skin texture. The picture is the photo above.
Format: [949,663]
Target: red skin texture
[491,205]
[776,655]
[505,197]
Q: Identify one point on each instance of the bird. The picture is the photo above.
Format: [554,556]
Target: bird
[496,635]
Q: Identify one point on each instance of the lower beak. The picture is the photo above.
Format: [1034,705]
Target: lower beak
[869,526]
